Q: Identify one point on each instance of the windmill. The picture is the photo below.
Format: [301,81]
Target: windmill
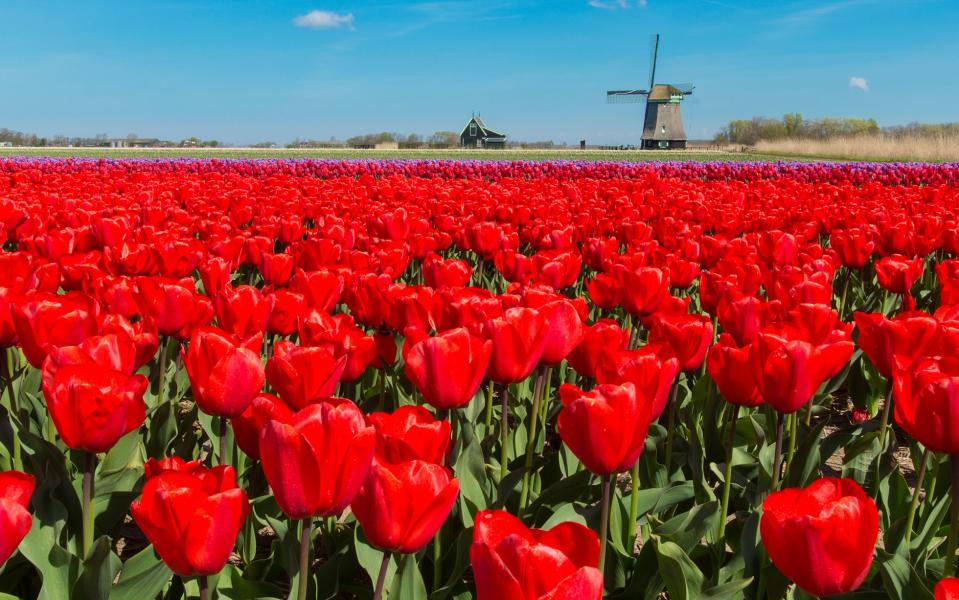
[663,126]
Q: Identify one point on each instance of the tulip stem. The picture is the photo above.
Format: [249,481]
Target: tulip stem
[845,291]
[671,428]
[531,437]
[8,372]
[222,440]
[948,568]
[793,434]
[914,503]
[777,458]
[381,578]
[438,559]
[604,523]
[161,369]
[90,460]
[633,506]
[504,434]
[884,423]
[727,479]
[382,382]
[204,588]
[490,391]
[306,533]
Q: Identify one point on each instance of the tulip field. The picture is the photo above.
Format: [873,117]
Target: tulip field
[443,380]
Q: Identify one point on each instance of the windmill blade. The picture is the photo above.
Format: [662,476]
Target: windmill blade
[626,96]
[655,54]
[685,88]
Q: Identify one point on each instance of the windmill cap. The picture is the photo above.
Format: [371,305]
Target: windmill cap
[663,91]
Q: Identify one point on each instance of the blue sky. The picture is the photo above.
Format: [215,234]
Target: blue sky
[244,71]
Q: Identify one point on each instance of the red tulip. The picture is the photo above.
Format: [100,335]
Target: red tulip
[276,269]
[606,427]
[119,295]
[448,369]
[46,320]
[242,311]
[339,334]
[744,316]
[511,561]
[519,339]
[191,514]
[565,331]
[730,367]
[789,371]
[600,341]
[559,269]
[855,246]
[948,274]
[303,376]
[652,369]
[16,489]
[410,433]
[947,589]
[288,308]
[907,337]
[247,426]
[8,331]
[112,352]
[688,336]
[93,405]
[439,273]
[643,289]
[143,334]
[926,394]
[316,463]
[215,274]
[225,374]
[320,289]
[898,273]
[176,258]
[603,291]
[175,307]
[401,506]
[822,537]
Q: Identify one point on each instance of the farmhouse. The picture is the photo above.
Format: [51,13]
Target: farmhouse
[137,143]
[477,135]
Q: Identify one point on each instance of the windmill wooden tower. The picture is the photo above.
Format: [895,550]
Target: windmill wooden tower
[663,126]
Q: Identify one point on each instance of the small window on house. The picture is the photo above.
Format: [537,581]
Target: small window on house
[664,128]
[473,129]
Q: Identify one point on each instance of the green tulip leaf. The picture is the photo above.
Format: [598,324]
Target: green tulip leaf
[99,570]
[684,580]
[143,575]
[408,583]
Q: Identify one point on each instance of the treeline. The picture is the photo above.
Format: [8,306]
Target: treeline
[18,138]
[793,126]
[439,139]
[100,140]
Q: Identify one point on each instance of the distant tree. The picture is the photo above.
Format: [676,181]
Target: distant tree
[793,124]
[445,138]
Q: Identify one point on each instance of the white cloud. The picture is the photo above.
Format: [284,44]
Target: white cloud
[859,83]
[616,4]
[324,19]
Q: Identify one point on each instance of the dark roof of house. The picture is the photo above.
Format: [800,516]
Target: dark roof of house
[485,132]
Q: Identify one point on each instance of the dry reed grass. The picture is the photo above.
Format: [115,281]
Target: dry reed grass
[939,148]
